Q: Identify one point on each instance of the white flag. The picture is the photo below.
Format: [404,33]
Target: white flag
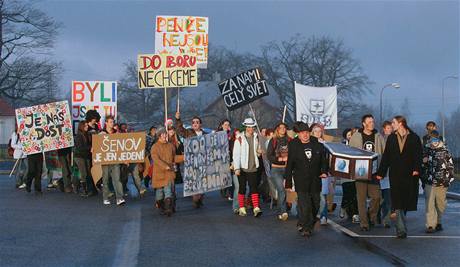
[316,105]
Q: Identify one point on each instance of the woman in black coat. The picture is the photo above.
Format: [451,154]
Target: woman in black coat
[403,156]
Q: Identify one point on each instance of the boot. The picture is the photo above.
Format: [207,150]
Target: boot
[85,190]
[168,207]
[160,205]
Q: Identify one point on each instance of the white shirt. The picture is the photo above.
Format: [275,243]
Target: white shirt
[17,146]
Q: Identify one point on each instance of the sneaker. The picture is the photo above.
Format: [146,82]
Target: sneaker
[107,202]
[22,186]
[355,219]
[342,213]
[257,212]
[323,221]
[242,212]
[236,211]
[430,230]
[283,217]
[120,202]
[50,186]
[299,227]
[439,227]
[142,192]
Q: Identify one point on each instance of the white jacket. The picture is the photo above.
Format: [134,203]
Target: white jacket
[241,152]
[17,146]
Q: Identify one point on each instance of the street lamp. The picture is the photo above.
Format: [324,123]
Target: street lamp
[444,106]
[394,85]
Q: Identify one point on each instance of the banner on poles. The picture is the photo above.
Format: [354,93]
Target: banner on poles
[165,71]
[243,89]
[207,162]
[93,95]
[118,148]
[316,105]
[178,35]
[45,127]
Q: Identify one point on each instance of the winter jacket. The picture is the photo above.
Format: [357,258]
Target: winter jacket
[306,172]
[163,161]
[439,170]
[241,151]
[17,146]
[404,186]
[82,146]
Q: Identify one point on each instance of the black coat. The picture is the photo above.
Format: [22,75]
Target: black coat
[306,172]
[404,186]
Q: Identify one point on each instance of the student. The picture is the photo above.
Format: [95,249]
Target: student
[18,154]
[308,165]
[163,153]
[111,171]
[245,161]
[439,166]
[403,158]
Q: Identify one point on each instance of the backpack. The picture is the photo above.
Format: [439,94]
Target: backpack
[10,149]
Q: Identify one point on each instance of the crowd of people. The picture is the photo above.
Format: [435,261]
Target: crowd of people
[267,165]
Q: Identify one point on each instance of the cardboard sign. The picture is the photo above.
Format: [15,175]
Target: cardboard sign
[45,127]
[243,89]
[178,35]
[93,95]
[207,164]
[118,148]
[165,71]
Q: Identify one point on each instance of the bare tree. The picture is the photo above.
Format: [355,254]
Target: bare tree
[27,36]
[318,62]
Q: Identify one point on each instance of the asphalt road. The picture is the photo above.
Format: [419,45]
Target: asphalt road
[58,229]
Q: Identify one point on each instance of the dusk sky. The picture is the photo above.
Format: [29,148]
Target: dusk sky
[415,43]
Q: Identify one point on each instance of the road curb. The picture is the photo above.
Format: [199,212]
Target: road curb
[455,196]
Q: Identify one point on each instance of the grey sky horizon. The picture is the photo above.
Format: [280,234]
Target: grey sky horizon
[413,43]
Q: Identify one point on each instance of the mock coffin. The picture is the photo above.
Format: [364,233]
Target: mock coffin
[351,163]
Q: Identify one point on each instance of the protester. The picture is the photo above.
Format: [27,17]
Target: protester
[277,153]
[150,140]
[307,164]
[349,205]
[245,162]
[368,138]
[21,158]
[385,206]
[163,154]
[179,151]
[403,158]
[111,171]
[226,126]
[196,130]
[439,166]
[92,118]
[82,158]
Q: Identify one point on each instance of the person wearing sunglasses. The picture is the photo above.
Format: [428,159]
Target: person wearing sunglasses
[196,130]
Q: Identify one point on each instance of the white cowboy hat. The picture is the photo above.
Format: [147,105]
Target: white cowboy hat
[249,122]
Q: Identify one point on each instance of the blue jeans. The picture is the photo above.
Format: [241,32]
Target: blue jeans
[21,171]
[277,177]
[386,206]
[236,186]
[111,171]
[164,192]
[323,207]
[401,227]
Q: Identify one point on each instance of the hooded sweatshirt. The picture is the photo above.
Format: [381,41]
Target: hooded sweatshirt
[439,169]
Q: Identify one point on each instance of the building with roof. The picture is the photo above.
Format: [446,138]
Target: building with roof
[7,121]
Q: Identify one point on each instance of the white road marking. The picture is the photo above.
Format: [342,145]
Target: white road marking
[340,228]
[128,246]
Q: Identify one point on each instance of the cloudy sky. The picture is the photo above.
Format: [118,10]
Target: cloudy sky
[415,43]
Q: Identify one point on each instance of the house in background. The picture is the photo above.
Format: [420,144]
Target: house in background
[206,101]
[7,123]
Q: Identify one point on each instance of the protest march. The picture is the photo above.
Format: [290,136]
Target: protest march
[295,165]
